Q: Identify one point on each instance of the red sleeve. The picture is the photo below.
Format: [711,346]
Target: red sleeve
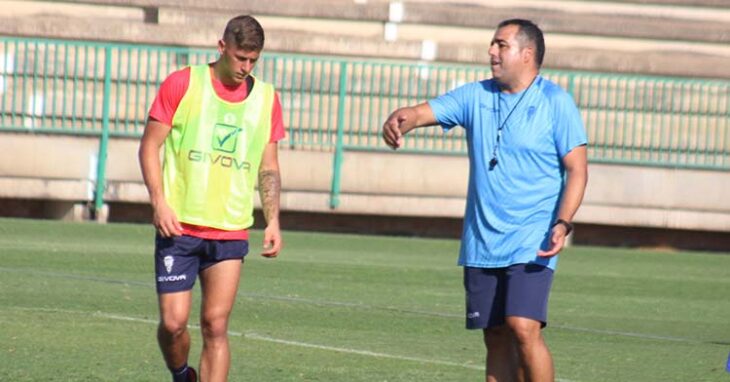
[277,121]
[168,97]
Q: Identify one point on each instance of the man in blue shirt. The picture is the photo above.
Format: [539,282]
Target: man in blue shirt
[524,135]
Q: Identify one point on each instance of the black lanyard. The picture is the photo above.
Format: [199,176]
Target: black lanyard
[493,162]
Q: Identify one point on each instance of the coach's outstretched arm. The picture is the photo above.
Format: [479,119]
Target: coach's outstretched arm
[404,120]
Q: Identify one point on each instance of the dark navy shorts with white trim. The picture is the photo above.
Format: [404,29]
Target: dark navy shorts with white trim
[492,294]
[179,259]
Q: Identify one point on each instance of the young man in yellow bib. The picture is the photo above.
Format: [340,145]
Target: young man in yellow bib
[220,127]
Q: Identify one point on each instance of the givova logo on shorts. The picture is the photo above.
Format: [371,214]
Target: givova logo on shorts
[169,261]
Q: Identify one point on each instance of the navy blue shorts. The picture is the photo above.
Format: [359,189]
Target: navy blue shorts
[494,293]
[179,259]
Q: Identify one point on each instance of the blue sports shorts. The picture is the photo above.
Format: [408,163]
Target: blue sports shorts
[492,294]
[179,259]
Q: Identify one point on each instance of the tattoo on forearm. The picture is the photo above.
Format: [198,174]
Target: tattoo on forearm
[269,191]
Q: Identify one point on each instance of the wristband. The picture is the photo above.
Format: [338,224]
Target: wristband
[568,226]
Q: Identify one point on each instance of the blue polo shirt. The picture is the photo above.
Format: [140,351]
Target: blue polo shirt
[510,208]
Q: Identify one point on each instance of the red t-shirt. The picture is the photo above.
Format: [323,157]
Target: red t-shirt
[164,107]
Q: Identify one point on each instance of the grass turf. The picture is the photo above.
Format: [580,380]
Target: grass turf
[77,303]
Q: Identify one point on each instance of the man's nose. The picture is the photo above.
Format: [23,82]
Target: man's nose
[492,50]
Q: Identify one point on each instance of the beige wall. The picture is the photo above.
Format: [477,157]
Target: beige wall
[62,168]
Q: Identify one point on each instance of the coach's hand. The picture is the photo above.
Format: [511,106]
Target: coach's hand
[557,241]
[405,119]
[165,220]
[392,134]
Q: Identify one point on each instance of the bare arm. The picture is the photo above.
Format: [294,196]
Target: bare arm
[404,120]
[164,218]
[270,191]
[576,167]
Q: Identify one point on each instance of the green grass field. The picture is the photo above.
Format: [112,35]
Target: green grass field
[77,303]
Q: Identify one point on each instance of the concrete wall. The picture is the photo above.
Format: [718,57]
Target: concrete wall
[61,168]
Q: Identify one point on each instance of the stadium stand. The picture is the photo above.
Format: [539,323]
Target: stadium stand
[627,39]
[664,78]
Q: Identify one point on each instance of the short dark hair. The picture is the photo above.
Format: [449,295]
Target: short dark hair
[529,32]
[245,32]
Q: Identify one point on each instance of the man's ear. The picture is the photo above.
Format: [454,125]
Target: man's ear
[221,46]
[528,55]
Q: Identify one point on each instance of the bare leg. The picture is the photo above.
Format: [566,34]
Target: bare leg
[172,332]
[503,362]
[534,353]
[219,284]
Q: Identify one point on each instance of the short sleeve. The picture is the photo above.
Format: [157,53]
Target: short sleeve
[451,108]
[278,132]
[569,131]
[168,98]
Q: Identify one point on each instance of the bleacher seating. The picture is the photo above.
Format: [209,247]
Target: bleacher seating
[668,119]
[625,37]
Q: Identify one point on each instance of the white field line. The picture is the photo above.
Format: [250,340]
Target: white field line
[307,301]
[254,336]
[258,337]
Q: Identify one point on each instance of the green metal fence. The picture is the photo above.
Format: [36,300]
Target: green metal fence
[336,104]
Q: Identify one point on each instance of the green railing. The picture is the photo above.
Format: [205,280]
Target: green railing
[336,104]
